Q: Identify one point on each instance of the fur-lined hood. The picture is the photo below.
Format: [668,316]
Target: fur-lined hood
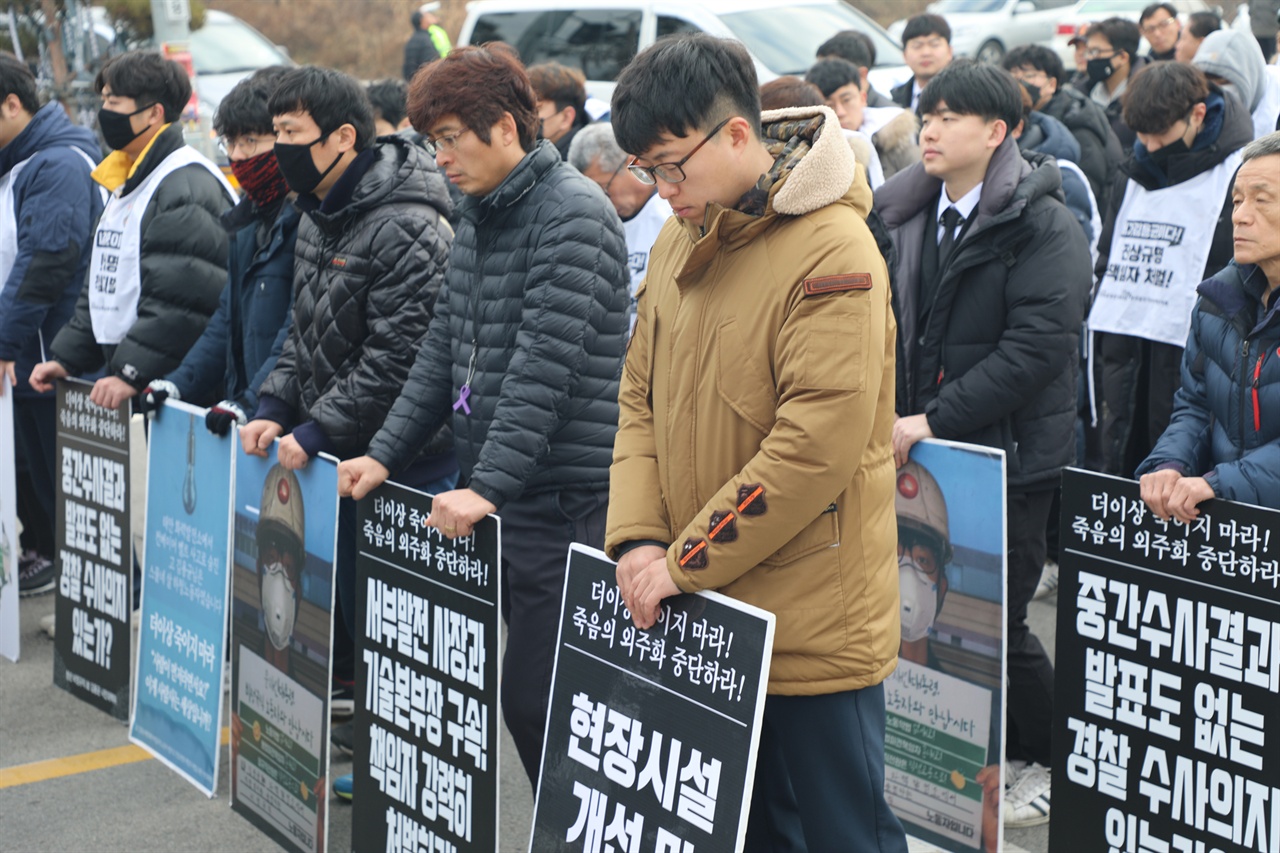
[820,176]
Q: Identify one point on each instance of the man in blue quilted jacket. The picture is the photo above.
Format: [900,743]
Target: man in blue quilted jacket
[1224,437]
[523,354]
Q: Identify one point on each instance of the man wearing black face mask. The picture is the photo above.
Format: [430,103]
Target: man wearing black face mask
[154,279]
[372,248]
[1168,228]
[1111,54]
[244,338]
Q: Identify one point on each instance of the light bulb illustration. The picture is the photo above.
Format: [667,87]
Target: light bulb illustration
[189,482]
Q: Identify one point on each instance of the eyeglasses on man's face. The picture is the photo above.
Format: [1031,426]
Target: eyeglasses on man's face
[672,173]
[443,143]
[247,144]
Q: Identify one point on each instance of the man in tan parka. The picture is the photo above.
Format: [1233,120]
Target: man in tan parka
[753,451]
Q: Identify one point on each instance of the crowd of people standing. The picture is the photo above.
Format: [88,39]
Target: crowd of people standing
[693,332]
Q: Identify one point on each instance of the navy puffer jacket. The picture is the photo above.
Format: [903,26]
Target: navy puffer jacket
[536,292]
[1226,416]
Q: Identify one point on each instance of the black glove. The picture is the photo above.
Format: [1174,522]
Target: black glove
[220,418]
[152,398]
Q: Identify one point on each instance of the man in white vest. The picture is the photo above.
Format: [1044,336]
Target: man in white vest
[1168,228]
[159,252]
[595,153]
[48,204]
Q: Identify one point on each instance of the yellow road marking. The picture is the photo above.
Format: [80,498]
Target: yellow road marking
[71,765]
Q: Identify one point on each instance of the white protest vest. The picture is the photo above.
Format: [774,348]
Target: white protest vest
[115,270]
[1159,248]
[1268,110]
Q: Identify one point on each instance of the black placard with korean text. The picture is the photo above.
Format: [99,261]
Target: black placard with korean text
[1168,669]
[91,652]
[651,735]
[426,716]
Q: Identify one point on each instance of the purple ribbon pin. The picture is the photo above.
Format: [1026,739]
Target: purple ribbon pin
[461,403]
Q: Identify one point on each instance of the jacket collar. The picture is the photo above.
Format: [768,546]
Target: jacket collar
[813,168]
[532,168]
[1237,290]
[116,169]
[1009,185]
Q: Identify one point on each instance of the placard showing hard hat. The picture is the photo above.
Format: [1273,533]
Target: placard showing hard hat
[945,703]
[285,538]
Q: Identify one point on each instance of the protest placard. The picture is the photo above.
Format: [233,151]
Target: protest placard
[94,541]
[1168,670]
[284,542]
[426,720]
[177,708]
[944,704]
[651,735]
[10,548]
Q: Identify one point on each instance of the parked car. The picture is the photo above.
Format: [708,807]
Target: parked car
[601,36]
[987,29]
[1092,11]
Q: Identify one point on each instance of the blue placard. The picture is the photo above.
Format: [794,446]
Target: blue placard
[182,638]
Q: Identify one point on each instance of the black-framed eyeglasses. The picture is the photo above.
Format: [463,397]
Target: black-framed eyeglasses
[249,143]
[672,173]
[443,143]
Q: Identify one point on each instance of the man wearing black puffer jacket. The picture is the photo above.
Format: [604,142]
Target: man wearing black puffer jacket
[525,353]
[153,280]
[990,289]
[371,251]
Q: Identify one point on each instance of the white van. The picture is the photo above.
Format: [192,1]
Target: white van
[601,36]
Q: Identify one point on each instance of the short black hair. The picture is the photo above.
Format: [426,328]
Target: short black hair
[832,73]
[415,18]
[975,88]
[244,110]
[926,25]
[1156,7]
[149,79]
[330,97]
[1040,58]
[715,79]
[1120,33]
[1202,23]
[390,100]
[849,45]
[16,79]
[1161,95]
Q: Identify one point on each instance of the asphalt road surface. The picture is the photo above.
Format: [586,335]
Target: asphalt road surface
[69,780]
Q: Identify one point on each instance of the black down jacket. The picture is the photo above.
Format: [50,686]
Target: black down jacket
[995,362]
[1100,153]
[368,265]
[183,267]
[536,294]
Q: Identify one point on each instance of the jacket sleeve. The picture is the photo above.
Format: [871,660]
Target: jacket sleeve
[1252,479]
[409,254]
[204,368]
[424,403]
[57,200]
[249,399]
[636,509]
[580,253]
[1185,442]
[833,354]
[76,347]
[1042,325]
[184,270]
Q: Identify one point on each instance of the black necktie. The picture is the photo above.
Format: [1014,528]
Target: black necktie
[951,220]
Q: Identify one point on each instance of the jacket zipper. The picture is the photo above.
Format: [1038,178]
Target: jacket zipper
[1244,369]
[1257,413]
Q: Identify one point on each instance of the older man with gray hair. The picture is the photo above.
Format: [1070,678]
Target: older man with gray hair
[1223,440]
[595,153]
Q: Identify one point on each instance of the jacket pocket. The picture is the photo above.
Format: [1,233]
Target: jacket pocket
[822,532]
[742,383]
